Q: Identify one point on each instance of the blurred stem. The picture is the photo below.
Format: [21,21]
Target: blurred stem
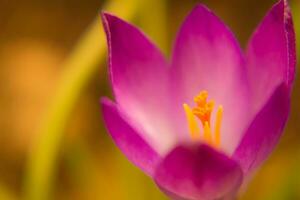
[153,21]
[152,18]
[289,188]
[5,193]
[79,67]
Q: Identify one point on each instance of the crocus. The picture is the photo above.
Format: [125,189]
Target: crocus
[201,124]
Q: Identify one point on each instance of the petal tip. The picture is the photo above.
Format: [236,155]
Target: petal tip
[201,8]
[106,104]
[110,21]
[106,16]
[107,19]
[282,7]
[105,101]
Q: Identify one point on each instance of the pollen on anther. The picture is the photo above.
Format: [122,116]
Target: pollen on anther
[201,98]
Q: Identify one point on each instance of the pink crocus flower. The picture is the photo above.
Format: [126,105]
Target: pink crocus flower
[202,123]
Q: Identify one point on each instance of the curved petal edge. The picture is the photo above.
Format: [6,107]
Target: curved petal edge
[271,54]
[198,172]
[208,57]
[127,139]
[140,79]
[264,132]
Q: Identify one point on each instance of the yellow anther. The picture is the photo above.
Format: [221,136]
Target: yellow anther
[203,111]
[199,112]
[192,123]
[201,98]
[218,126]
[210,106]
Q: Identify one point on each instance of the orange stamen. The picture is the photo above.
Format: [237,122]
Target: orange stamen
[207,133]
[218,126]
[203,111]
[192,123]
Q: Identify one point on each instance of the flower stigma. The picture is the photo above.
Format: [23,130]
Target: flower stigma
[202,111]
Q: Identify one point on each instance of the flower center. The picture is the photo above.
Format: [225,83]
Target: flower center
[203,111]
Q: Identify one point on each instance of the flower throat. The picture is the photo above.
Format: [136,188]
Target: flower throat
[203,111]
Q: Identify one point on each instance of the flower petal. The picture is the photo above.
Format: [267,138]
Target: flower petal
[265,131]
[198,172]
[271,55]
[139,76]
[207,57]
[127,139]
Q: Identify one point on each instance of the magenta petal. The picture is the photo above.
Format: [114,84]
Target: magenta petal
[265,131]
[271,55]
[207,57]
[198,172]
[127,139]
[139,76]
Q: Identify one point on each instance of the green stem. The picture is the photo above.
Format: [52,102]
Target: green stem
[79,68]
[153,21]
[289,188]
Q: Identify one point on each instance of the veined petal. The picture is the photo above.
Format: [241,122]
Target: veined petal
[198,173]
[139,76]
[207,57]
[271,55]
[128,139]
[265,131]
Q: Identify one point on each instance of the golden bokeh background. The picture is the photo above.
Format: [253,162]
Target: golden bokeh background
[53,144]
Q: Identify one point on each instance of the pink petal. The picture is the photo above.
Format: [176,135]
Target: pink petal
[271,55]
[207,57]
[128,139]
[139,76]
[198,172]
[265,131]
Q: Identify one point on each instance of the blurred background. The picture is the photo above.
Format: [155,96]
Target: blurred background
[52,73]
